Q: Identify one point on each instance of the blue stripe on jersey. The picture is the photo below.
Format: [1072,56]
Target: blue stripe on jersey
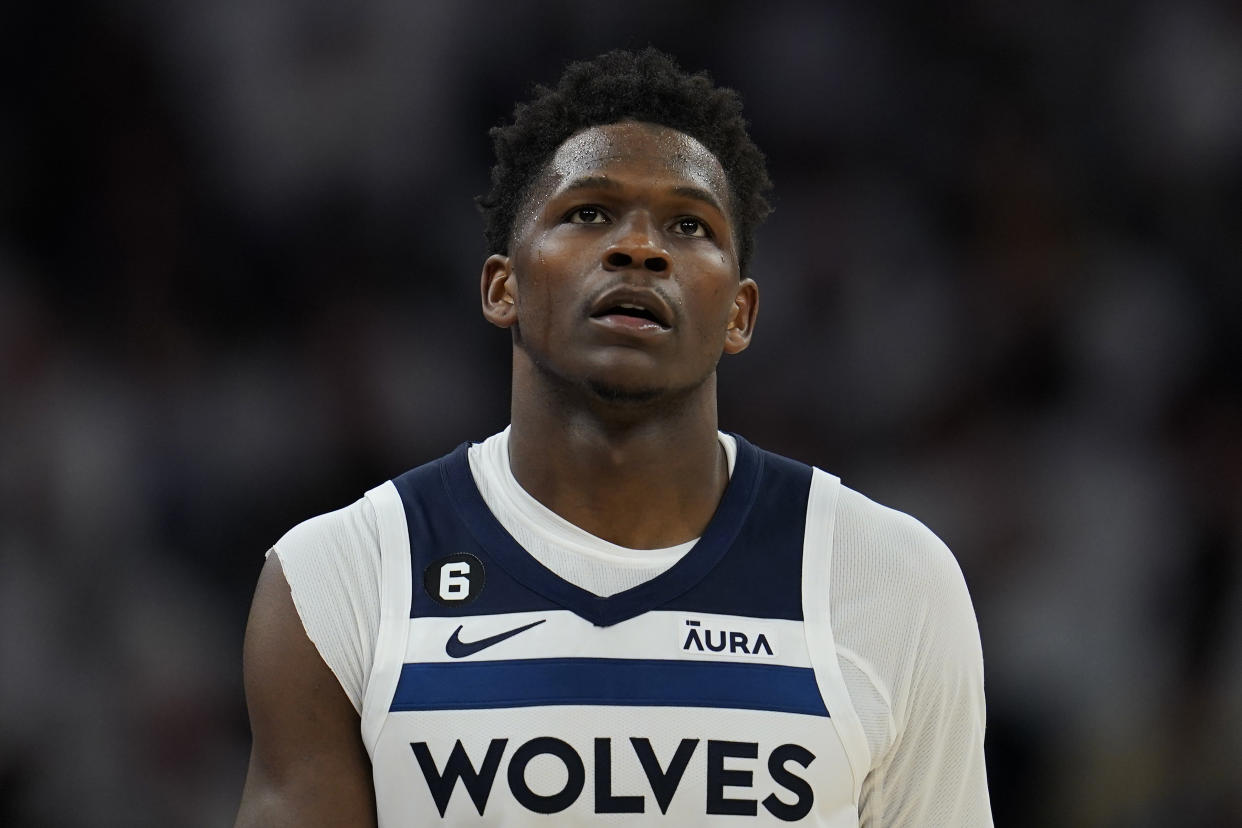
[607,681]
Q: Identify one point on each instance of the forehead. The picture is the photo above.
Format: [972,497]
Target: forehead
[658,155]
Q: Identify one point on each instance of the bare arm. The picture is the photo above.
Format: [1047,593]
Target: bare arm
[308,765]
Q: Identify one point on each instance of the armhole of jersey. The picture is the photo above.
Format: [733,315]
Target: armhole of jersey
[394,623]
[821,514]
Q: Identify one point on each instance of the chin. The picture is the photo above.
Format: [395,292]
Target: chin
[623,394]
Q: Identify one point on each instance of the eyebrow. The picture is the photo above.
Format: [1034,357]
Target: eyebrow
[599,182]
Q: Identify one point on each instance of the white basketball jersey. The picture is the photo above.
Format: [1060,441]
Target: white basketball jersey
[502,694]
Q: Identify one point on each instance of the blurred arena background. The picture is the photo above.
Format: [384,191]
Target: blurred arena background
[238,286]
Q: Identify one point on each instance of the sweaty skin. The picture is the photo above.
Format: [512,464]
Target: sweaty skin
[308,765]
[614,417]
[612,430]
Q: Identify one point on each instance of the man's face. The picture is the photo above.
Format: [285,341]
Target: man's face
[622,276]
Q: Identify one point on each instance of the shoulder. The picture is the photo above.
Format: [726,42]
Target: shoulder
[899,593]
[908,643]
[880,550]
[902,597]
[335,552]
[349,527]
[892,545]
[332,564]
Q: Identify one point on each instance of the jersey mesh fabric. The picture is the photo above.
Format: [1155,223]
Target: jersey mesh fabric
[332,564]
[904,621]
[905,630]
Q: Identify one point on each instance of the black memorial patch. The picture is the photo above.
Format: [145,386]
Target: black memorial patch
[454,580]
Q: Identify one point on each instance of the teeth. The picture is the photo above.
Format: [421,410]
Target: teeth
[632,309]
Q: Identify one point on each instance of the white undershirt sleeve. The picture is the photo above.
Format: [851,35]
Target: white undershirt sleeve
[909,649]
[332,564]
[905,632]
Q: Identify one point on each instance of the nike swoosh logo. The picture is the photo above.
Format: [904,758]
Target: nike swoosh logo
[456,648]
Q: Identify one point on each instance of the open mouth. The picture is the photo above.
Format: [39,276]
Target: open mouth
[631,311]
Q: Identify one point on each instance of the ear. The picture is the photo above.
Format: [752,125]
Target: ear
[742,317]
[499,292]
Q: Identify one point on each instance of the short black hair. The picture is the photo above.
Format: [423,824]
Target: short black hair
[618,86]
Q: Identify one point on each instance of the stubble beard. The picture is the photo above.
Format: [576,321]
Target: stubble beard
[600,390]
[605,392]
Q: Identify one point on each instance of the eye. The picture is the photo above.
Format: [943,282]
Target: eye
[690,226]
[586,215]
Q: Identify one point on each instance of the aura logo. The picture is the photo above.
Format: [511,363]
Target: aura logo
[748,642]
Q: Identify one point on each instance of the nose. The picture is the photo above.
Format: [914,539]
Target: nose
[636,244]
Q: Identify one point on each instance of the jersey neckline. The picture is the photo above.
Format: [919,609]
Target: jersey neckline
[731,513]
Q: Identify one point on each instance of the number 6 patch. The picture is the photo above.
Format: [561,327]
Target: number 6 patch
[455,580]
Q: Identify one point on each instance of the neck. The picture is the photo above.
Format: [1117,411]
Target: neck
[641,474]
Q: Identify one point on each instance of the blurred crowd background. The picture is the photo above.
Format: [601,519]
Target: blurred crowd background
[239,260]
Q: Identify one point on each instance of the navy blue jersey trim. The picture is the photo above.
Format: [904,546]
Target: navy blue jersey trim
[722,530]
[619,682]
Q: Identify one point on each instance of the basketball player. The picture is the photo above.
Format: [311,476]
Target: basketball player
[612,612]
